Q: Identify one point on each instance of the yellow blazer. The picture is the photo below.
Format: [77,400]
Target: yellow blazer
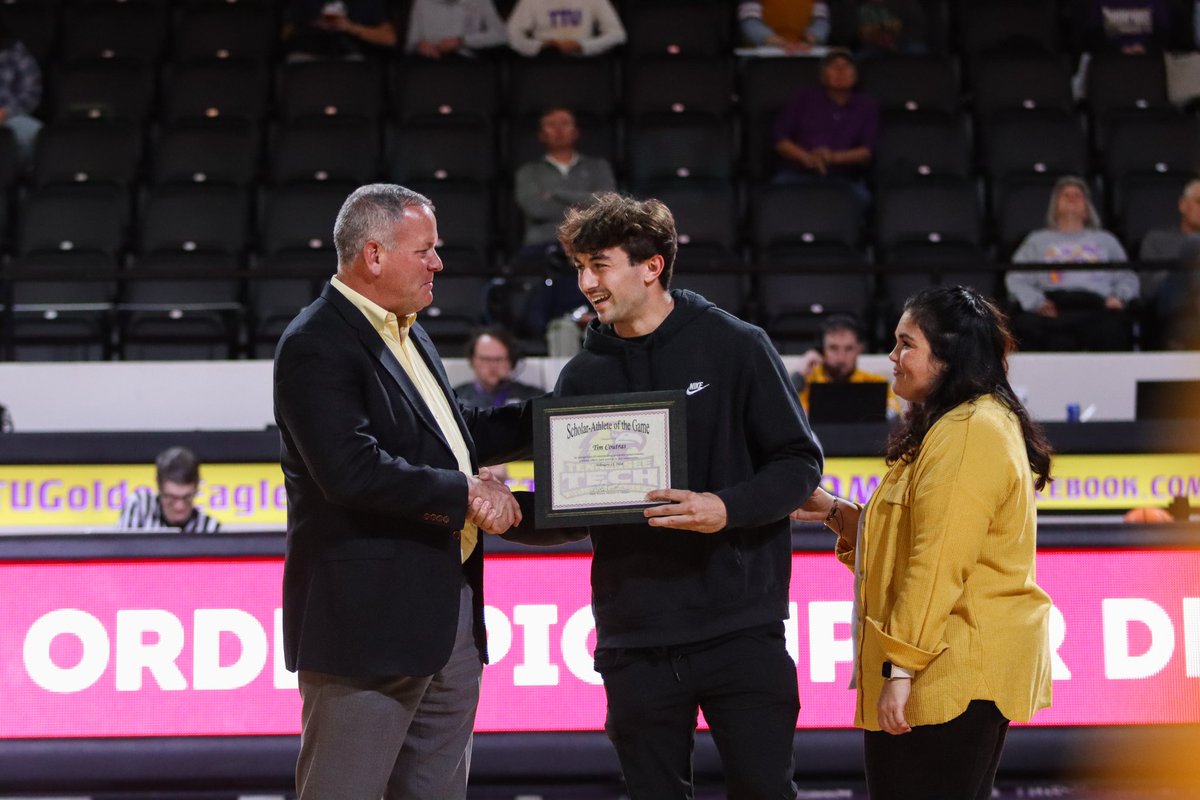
[946,586]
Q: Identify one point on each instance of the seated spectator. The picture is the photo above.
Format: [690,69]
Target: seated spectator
[174,505]
[828,133]
[1073,309]
[564,27]
[439,28]
[1126,26]
[20,92]
[1165,244]
[791,25]
[339,29]
[561,178]
[493,356]
[890,27]
[842,342]
[1182,323]
[544,190]
[1167,292]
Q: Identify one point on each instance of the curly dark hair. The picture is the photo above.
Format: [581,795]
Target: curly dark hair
[642,228]
[969,335]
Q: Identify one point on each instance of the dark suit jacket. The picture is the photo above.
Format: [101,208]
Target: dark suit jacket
[373,571]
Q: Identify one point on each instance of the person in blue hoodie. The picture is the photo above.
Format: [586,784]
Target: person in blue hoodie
[690,604]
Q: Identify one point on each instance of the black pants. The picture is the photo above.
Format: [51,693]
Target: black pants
[746,685]
[1073,330]
[956,760]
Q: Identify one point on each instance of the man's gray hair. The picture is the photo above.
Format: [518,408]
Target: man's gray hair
[1191,190]
[369,213]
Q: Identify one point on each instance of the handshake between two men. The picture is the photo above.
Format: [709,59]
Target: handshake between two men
[490,503]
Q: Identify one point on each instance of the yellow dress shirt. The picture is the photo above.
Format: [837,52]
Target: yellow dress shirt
[948,589]
[394,332]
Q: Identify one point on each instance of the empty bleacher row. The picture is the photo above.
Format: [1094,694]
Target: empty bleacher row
[189,177]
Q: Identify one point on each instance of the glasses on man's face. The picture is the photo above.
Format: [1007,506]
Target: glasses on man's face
[177,499]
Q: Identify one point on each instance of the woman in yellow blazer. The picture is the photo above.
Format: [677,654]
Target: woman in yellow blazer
[950,624]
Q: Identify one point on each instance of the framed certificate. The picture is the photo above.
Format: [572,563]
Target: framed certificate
[596,456]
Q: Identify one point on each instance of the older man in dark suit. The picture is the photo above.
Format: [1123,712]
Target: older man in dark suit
[383,581]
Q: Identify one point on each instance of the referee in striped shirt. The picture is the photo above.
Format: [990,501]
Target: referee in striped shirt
[174,506]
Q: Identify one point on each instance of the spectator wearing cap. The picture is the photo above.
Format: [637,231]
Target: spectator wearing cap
[828,133]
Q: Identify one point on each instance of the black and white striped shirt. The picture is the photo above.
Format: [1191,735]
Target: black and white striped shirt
[143,511]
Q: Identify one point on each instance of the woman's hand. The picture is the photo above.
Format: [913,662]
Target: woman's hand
[890,709]
[815,508]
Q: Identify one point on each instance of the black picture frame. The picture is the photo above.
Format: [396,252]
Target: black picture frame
[617,417]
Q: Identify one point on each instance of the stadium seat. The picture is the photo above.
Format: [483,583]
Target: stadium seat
[207,151]
[87,151]
[793,226]
[440,149]
[224,31]
[338,149]
[919,147]
[215,90]
[330,88]
[420,89]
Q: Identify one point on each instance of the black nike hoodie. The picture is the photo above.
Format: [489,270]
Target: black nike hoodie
[748,442]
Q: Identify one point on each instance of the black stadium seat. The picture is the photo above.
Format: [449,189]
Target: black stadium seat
[87,151]
[684,85]
[805,224]
[921,146]
[73,221]
[441,149]
[330,88]
[677,149]
[207,151]
[194,218]
[419,89]
[335,149]
[102,90]
[295,231]
[116,31]
[225,31]
[216,90]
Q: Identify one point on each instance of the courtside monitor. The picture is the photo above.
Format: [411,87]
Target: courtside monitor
[847,402]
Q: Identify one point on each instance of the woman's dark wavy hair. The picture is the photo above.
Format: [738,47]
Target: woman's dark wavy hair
[970,337]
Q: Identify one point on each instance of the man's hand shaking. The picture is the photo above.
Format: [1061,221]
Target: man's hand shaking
[490,504]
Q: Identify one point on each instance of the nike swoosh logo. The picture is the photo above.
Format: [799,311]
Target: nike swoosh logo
[691,390]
